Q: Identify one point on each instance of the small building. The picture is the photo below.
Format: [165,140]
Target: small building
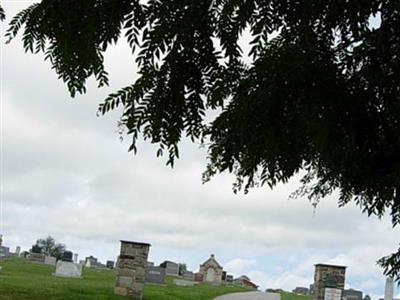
[352,295]
[211,270]
[171,268]
[301,291]
[245,281]
[229,278]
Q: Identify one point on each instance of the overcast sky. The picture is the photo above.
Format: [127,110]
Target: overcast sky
[65,173]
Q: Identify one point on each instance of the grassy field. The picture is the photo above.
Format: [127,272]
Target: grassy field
[291,296]
[22,280]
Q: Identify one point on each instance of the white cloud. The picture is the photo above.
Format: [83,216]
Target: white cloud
[66,174]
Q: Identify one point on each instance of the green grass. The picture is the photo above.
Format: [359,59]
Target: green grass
[291,296]
[22,280]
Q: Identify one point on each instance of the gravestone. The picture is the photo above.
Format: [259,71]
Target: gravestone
[389,288]
[150,264]
[188,275]
[50,260]
[110,264]
[182,282]
[229,278]
[155,275]
[17,250]
[75,258]
[90,261]
[36,255]
[67,268]
[67,256]
[4,251]
[198,277]
[223,275]
[132,263]
[352,294]
[171,268]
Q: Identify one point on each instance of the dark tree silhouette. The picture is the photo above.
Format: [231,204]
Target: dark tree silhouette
[2,14]
[321,92]
[49,246]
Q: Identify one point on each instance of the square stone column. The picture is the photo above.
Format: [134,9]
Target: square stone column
[329,282]
[131,269]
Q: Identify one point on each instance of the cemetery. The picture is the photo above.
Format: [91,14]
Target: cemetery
[21,279]
[134,277]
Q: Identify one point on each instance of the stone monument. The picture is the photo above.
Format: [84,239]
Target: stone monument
[4,251]
[131,266]
[110,264]
[36,255]
[75,258]
[50,260]
[67,268]
[389,288]
[329,282]
[155,275]
[17,251]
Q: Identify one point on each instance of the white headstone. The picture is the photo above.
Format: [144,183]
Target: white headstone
[50,260]
[389,287]
[75,258]
[17,250]
[88,264]
[68,269]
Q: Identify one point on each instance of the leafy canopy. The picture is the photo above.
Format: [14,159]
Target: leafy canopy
[321,92]
[49,247]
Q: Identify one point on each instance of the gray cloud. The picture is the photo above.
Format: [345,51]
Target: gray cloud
[67,174]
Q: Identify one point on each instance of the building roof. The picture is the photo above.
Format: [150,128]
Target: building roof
[212,258]
[248,282]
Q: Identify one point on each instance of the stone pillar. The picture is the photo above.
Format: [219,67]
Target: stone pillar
[17,250]
[131,266]
[329,282]
[75,258]
[389,288]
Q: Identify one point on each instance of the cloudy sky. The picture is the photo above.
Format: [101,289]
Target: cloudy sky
[66,173]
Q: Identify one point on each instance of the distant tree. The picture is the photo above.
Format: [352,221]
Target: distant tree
[318,92]
[182,269]
[48,246]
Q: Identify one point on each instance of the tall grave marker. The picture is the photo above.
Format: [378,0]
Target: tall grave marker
[389,288]
[329,281]
[132,263]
